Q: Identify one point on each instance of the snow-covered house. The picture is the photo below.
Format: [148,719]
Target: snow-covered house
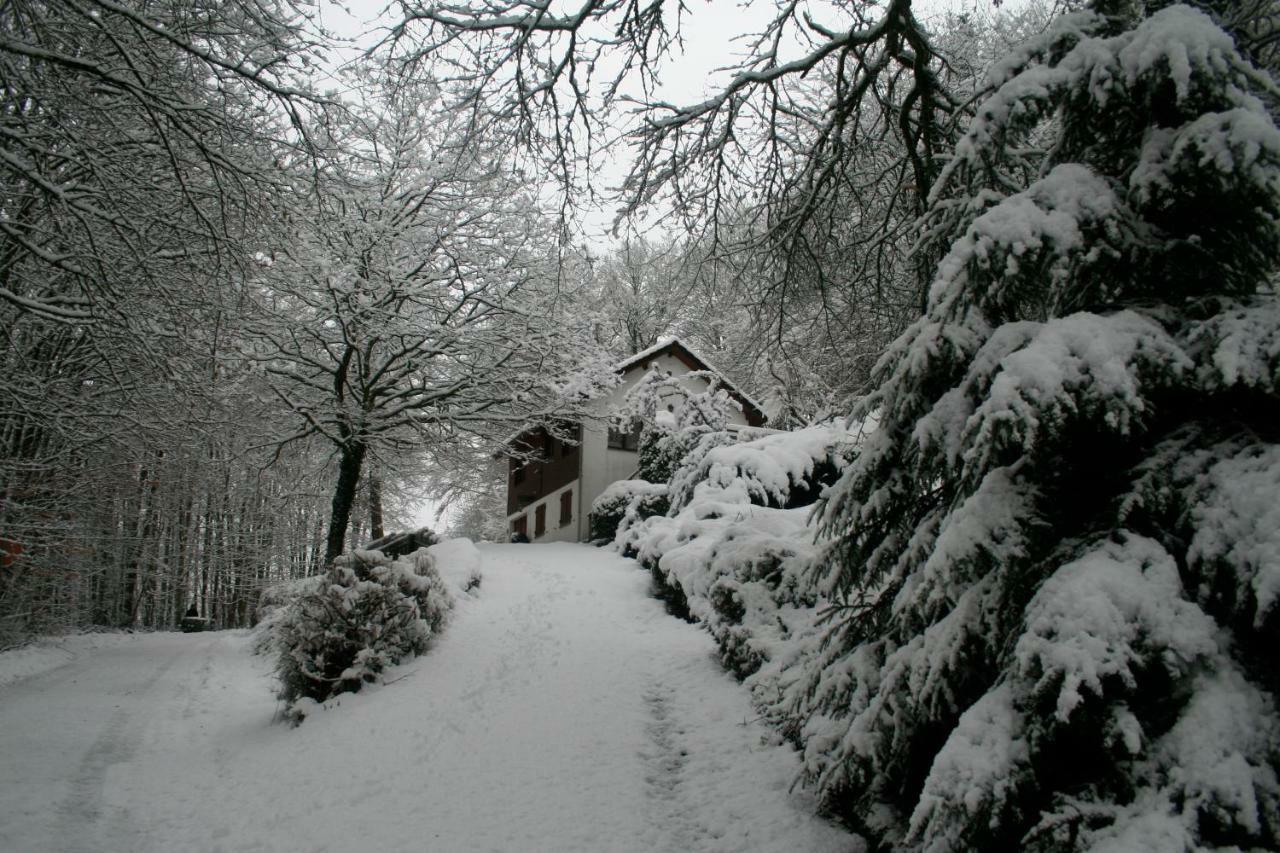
[549,496]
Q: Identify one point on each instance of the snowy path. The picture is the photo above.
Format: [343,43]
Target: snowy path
[563,710]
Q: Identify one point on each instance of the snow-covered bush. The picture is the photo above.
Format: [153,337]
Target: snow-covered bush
[661,449]
[1054,565]
[622,504]
[695,445]
[739,570]
[273,604]
[366,613]
[783,470]
[728,559]
[458,563]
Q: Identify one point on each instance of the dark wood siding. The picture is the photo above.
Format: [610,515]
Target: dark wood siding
[559,463]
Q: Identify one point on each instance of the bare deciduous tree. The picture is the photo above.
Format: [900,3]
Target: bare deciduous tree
[137,151]
[412,311]
[773,151]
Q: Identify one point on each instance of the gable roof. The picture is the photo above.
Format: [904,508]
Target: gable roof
[681,351]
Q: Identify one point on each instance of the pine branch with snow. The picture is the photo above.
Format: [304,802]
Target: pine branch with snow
[1053,566]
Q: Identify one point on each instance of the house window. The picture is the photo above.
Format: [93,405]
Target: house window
[521,526]
[539,520]
[625,439]
[566,507]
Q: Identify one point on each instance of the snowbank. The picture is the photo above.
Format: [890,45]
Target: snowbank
[458,562]
[48,654]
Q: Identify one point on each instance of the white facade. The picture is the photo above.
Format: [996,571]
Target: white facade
[557,529]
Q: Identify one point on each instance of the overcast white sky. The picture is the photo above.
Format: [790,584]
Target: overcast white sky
[707,32]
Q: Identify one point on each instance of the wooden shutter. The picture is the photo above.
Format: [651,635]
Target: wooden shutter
[566,507]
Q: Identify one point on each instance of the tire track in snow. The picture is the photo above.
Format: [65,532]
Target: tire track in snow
[562,712]
[526,642]
[665,759]
[89,822]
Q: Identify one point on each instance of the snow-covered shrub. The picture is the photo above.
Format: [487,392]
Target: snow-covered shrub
[736,568]
[783,470]
[366,613]
[695,444]
[728,559]
[273,603]
[458,563]
[622,504]
[1054,565]
[661,449]
[282,594]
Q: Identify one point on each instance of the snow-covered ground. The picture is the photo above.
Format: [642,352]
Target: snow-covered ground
[562,710]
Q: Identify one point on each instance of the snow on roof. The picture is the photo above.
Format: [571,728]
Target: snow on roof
[527,429]
[634,360]
[668,343]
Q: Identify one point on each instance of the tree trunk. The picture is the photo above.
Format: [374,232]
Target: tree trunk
[350,461]
[375,507]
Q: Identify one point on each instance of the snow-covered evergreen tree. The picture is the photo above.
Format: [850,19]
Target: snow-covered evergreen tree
[1057,563]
